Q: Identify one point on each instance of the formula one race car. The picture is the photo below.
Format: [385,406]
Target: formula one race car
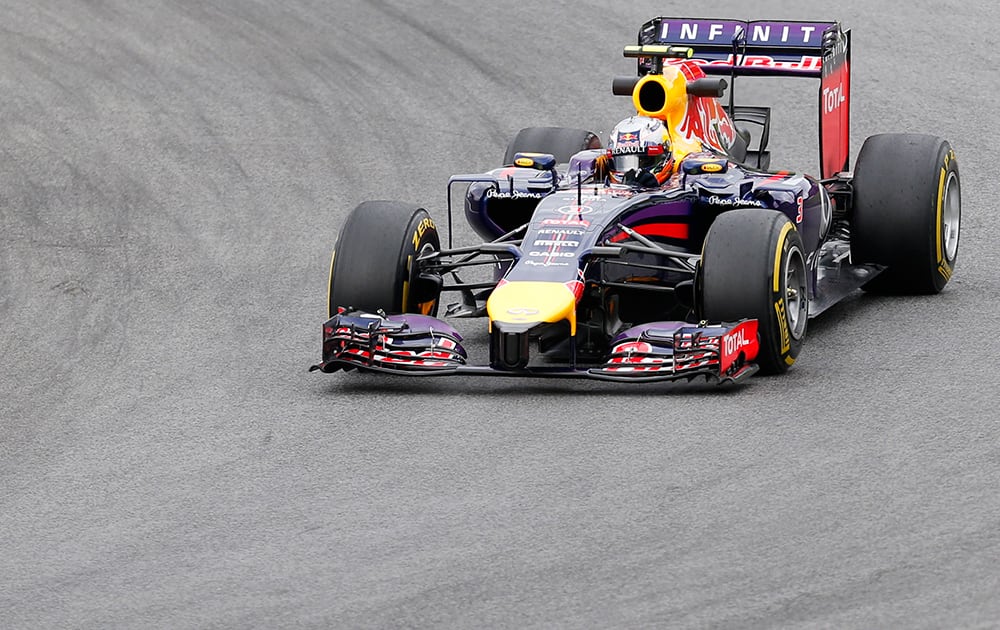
[673,253]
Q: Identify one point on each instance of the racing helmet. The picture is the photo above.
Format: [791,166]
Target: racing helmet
[640,151]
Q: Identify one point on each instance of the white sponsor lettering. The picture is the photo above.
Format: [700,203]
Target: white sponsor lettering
[689,31]
[832,98]
[628,149]
[553,254]
[761,33]
[566,221]
[571,231]
[735,342]
[493,193]
[546,242]
[546,263]
[732,202]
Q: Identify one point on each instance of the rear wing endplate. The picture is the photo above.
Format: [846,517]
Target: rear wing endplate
[772,49]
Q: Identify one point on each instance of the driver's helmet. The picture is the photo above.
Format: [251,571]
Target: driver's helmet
[640,152]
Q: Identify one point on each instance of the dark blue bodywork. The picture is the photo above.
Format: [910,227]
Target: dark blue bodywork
[676,215]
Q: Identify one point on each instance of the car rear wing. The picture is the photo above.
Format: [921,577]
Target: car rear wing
[772,49]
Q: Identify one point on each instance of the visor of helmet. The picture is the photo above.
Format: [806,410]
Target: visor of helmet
[651,157]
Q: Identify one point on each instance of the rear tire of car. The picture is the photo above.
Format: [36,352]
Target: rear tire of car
[372,268]
[907,212]
[753,267]
[562,142]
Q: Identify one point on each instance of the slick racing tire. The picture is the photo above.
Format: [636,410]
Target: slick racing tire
[907,212]
[561,142]
[372,265]
[753,266]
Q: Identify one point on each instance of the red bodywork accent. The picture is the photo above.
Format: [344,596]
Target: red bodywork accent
[780,175]
[576,287]
[708,121]
[740,340]
[691,71]
[705,119]
[665,230]
[835,112]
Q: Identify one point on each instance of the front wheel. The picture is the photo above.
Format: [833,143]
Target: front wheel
[753,266]
[372,266]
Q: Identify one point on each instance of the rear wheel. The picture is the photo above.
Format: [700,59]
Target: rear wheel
[907,212]
[372,264]
[562,142]
[753,266]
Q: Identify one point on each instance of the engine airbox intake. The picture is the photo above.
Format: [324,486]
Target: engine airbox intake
[655,95]
[650,96]
[661,95]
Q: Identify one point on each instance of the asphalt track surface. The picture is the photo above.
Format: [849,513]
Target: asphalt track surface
[172,177]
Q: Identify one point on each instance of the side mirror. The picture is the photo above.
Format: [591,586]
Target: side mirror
[537,161]
[707,87]
[623,86]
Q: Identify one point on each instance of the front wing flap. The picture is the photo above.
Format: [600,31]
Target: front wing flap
[396,343]
[674,350]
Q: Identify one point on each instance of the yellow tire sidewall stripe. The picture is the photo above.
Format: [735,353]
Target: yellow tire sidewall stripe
[777,254]
[940,204]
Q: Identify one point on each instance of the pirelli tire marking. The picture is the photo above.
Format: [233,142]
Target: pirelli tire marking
[786,337]
[418,233]
[424,308]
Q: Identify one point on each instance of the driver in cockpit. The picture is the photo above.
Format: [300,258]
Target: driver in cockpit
[639,154]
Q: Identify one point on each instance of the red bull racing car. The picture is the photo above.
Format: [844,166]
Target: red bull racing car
[675,252]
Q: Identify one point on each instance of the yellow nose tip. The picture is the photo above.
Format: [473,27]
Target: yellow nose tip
[532,302]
